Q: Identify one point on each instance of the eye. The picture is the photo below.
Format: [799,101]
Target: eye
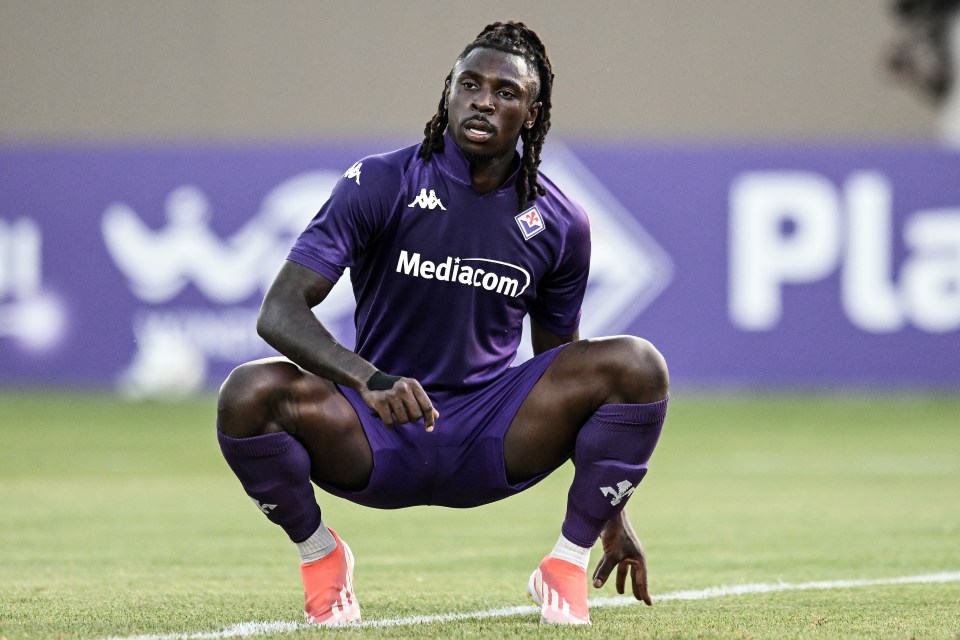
[469,85]
[506,94]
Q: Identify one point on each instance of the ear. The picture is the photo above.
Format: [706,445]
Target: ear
[532,113]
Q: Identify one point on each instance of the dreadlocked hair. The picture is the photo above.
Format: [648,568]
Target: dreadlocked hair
[518,39]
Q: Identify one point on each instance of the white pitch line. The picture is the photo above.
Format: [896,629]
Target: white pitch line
[251,629]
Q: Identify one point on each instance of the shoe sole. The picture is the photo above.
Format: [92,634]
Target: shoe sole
[533,593]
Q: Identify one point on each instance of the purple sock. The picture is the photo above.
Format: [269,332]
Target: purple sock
[610,456]
[274,470]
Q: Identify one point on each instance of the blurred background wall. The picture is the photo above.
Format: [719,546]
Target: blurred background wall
[768,205]
[694,70]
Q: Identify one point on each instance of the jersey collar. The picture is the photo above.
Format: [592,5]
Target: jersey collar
[455,165]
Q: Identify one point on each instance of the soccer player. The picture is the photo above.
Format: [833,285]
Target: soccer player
[450,244]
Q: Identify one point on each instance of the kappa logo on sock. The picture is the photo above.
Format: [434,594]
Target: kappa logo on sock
[264,507]
[623,491]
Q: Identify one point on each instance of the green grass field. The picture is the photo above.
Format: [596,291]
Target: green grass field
[122,519]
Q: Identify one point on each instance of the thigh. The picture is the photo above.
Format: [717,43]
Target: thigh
[331,432]
[273,395]
[542,434]
[585,375]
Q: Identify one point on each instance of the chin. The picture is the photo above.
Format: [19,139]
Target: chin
[478,156]
[482,153]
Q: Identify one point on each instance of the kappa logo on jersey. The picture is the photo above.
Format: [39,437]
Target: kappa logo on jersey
[427,200]
[623,491]
[263,506]
[354,172]
[530,223]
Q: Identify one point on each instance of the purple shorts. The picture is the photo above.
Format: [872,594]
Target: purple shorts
[459,464]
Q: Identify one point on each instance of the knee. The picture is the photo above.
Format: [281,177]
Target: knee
[245,397]
[638,371]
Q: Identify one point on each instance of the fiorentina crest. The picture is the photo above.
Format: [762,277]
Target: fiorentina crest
[623,491]
[530,222]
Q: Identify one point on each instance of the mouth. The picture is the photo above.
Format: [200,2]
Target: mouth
[478,129]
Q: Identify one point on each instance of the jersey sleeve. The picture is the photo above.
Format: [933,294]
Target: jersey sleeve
[560,294]
[357,209]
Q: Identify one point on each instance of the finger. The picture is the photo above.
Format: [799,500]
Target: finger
[621,577]
[411,403]
[602,572]
[399,410]
[382,409]
[430,414]
[387,419]
[411,411]
[639,575]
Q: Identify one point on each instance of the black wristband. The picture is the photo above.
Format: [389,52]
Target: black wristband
[381,381]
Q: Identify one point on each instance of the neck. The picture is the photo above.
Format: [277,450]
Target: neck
[488,173]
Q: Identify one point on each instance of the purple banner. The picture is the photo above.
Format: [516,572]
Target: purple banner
[143,269]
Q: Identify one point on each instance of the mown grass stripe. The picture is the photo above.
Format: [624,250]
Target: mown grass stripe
[251,629]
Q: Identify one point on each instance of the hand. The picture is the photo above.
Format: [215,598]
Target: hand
[397,397]
[622,549]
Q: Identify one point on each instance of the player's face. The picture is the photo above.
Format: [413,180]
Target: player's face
[491,98]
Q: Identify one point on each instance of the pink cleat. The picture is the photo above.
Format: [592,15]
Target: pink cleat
[328,597]
[559,588]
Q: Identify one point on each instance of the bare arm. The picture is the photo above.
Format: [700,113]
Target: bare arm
[287,323]
[544,340]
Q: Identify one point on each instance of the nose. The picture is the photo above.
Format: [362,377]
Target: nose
[483,101]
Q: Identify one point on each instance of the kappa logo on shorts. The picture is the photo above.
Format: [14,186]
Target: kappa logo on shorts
[354,172]
[530,222]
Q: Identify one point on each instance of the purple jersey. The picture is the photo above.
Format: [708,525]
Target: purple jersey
[443,276]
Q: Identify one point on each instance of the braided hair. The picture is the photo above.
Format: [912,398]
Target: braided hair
[518,39]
